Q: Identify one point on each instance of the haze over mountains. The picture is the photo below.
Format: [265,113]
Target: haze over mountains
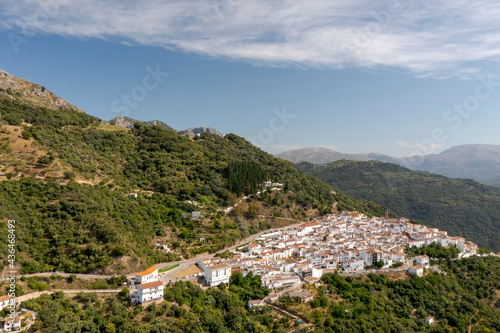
[477,161]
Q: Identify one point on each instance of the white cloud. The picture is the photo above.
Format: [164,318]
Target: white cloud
[427,38]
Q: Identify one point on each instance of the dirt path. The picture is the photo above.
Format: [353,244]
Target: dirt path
[71,291]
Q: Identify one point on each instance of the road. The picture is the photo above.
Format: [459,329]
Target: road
[183,264]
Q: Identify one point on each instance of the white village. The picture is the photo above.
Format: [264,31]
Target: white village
[348,243]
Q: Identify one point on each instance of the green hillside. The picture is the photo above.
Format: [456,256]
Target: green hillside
[464,300]
[463,207]
[72,226]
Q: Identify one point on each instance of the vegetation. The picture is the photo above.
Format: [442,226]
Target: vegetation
[465,299]
[82,228]
[463,207]
[168,268]
[194,310]
[434,250]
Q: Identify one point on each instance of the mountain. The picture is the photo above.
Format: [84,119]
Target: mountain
[20,89]
[126,122]
[476,161]
[65,177]
[463,207]
[321,155]
[200,130]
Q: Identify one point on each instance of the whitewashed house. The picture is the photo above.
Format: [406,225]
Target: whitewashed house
[422,261]
[149,275]
[150,291]
[417,270]
[6,301]
[217,274]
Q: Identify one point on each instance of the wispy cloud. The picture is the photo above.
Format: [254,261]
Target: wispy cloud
[426,38]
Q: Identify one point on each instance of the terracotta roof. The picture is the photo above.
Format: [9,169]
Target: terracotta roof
[221,266]
[310,224]
[5,298]
[151,284]
[147,271]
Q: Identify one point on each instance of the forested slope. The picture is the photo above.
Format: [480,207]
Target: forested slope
[463,207]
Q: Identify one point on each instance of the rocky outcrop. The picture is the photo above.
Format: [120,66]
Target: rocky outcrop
[127,122]
[17,88]
[199,131]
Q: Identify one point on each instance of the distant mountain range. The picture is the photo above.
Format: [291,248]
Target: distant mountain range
[463,207]
[476,161]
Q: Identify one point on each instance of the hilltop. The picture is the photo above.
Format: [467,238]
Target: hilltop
[462,207]
[16,88]
[126,122]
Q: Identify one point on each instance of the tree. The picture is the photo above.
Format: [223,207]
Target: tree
[254,209]
[26,135]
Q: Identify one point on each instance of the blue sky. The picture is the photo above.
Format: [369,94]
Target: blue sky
[400,78]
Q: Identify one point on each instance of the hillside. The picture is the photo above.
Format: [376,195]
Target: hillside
[463,207]
[66,176]
[466,299]
[15,88]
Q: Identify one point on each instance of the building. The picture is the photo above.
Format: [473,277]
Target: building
[429,320]
[23,321]
[422,261]
[12,324]
[195,215]
[149,275]
[273,297]
[417,269]
[255,305]
[150,291]
[352,265]
[217,274]
[132,195]
[5,301]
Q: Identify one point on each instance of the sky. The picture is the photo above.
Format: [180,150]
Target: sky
[394,77]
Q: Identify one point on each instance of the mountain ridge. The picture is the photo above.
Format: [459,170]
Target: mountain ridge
[480,162]
[21,89]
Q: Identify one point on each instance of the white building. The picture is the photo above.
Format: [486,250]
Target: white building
[422,261]
[12,324]
[353,265]
[217,274]
[417,269]
[5,301]
[149,275]
[429,320]
[150,291]
[317,272]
